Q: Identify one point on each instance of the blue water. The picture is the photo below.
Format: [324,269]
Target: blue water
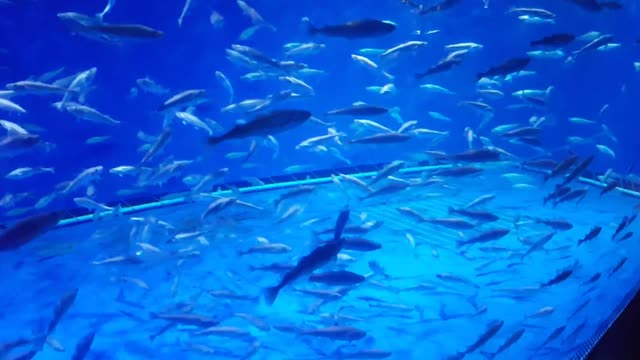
[440,319]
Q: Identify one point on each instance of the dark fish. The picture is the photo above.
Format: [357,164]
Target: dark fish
[28,229]
[491,331]
[186,319]
[359,110]
[479,215]
[541,163]
[507,344]
[346,333]
[355,29]
[592,279]
[64,304]
[557,224]
[382,138]
[488,235]
[271,123]
[340,277]
[562,167]
[595,6]
[562,276]
[479,155]
[390,188]
[522,132]
[610,187]
[559,192]
[362,354]
[300,190]
[341,222]
[158,145]
[621,226]
[26,356]
[84,346]
[508,67]
[539,245]
[554,335]
[572,195]
[256,55]
[554,40]
[275,267]
[445,64]
[16,144]
[618,266]
[127,30]
[360,244]
[307,264]
[626,236]
[458,171]
[592,234]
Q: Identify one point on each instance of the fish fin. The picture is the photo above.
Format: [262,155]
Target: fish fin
[270,294]
[117,211]
[450,210]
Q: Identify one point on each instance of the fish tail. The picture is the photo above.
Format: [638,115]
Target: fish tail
[214,140]
[270,294]
[488,355]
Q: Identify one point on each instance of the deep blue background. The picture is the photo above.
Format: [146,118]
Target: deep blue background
[188,56]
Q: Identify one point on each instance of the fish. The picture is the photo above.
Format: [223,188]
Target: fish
[137,31]
[475,155]
[562,167]
[63,305]
[582,166]
[508,67]
[84,346]
[445,64]
[592,234]
[485,236]
[339,278]
[507,343]
[360,244]
[307,264]
[621,226]
[184,99]
[345,333]
[383,138]
[267,124]
[618,266]
[26,230]
[554,40]
[360,109]
[356,29]
[560,277]
[492,329]
[160,143]
[319,257]
[482,199]
[483,216]
[22,173]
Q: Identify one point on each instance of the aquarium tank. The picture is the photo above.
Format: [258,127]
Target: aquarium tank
[337,179]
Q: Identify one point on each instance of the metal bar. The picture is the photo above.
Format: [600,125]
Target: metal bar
[289,184]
